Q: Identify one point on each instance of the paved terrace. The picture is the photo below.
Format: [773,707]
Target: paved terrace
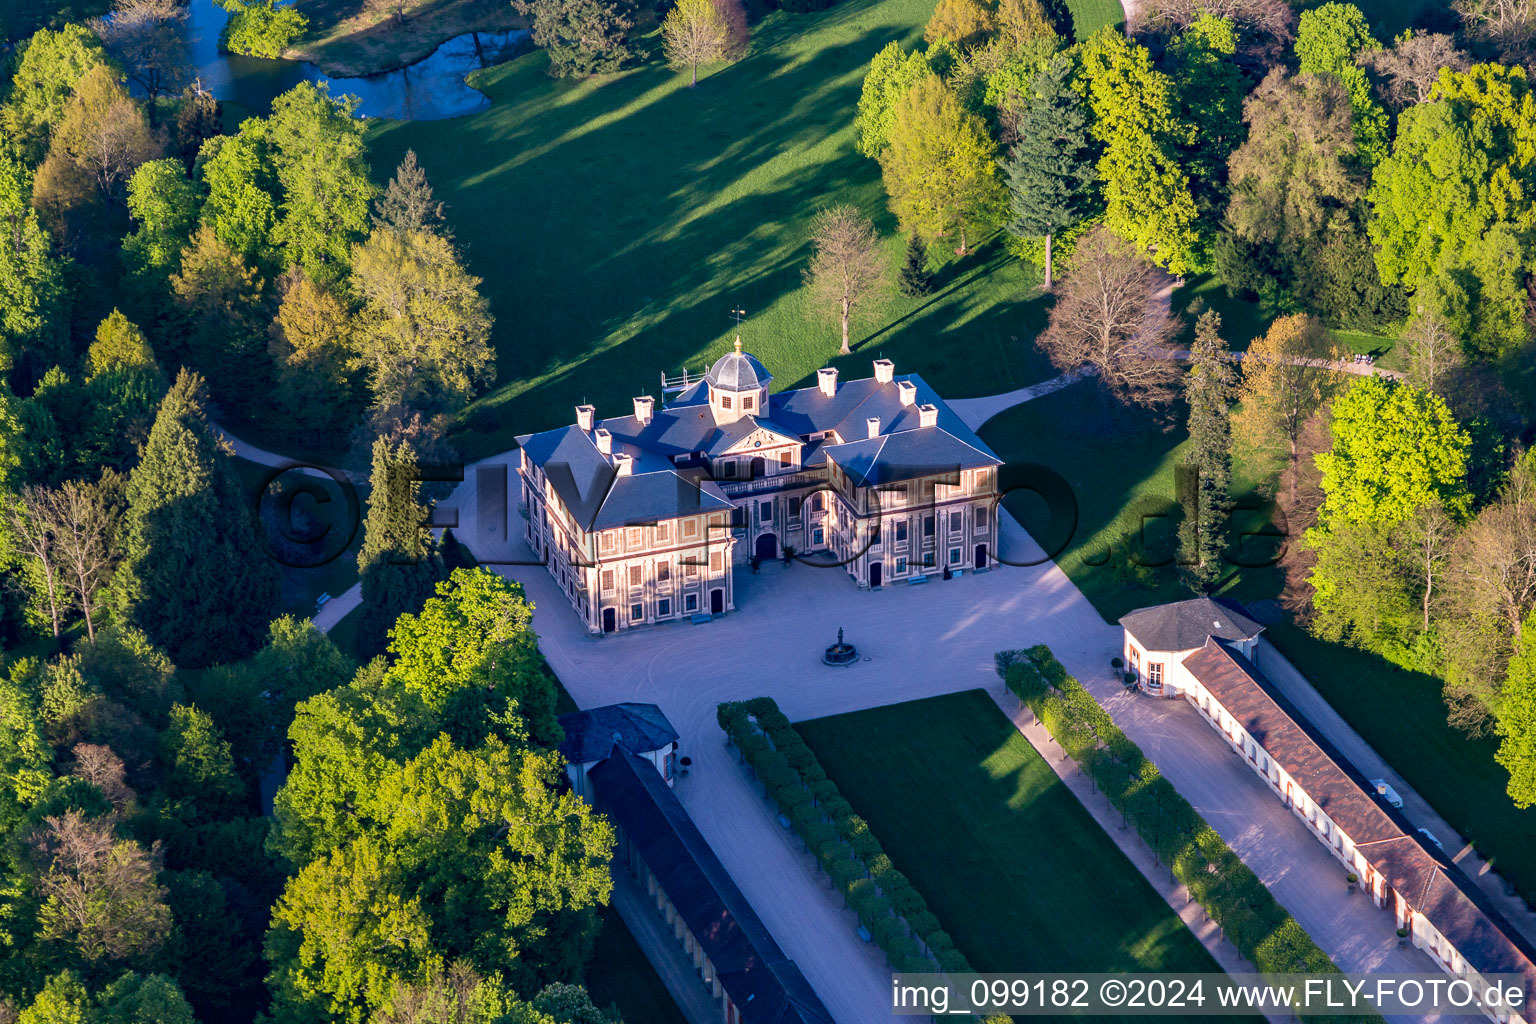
[921,641]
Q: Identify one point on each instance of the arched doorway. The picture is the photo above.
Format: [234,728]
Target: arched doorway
[757,469]
[981,556]
[876,570]
[767,548]
[608,620]
[717,602]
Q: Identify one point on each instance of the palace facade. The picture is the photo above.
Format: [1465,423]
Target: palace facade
[644,518]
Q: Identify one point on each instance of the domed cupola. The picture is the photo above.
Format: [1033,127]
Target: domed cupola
[738,386]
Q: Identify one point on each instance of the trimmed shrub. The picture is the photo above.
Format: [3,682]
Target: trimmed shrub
[845,870]
[900,948]
[806,813]
[837,808]
[858,890]
[917,965]
[754,747]
[782,775]
[951,962]
[885,930]
[938,941]
[791,796]
[823,790]
[922,922]
[816,834]
[872,908]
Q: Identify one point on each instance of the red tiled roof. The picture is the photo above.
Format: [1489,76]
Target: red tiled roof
[1441,893]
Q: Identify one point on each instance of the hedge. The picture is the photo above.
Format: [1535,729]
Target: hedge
[1261,929]
[884,899]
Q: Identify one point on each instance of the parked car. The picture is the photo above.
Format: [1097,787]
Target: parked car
[1387,793]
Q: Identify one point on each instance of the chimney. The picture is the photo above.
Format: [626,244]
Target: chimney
[885,371]
[826,380]
[584,416]
[908,392]
[928,415]
[874,426]
[604,440]
[645,405]
[623,464]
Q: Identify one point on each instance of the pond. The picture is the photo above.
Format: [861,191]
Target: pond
[431,89]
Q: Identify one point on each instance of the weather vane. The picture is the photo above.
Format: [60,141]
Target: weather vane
[737,315]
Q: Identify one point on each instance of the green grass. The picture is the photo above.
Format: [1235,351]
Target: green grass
[619,974]
[1116,469]
[1241,321]
[1401,715]
[617,221]
[1014,867]
[1088,16]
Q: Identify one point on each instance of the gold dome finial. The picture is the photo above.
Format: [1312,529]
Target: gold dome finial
[738,344]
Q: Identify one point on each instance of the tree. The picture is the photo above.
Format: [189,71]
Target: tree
[693,33]
[149,39]
[1505,25]
[1288,374]
[582,37]
[940,168]
[1147,197]
[891,74]
[78,522]
[1106,318]
[31,280]
[737,34]
[1329,40]
[223,299]
[847,267]
[1050,169]
[966,23]
[144,999]
[326,189]
[192,575]
[165,204]
[1455,200]
[1516,718]
[105,132]
[915,280]
[424,330]
[407,203]
[1410,67]
[197,121]
[197,766]
[243,191]
[1267,24]
[398,566]
[1023,23]
[100,893]
[1208,390]
[1396,449]
[48,66]
[124,385]
[1210,87]
[260,28]
[312,345]
[32,538]
[1434,351]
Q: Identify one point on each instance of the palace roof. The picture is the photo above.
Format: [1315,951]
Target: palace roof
[1185,625]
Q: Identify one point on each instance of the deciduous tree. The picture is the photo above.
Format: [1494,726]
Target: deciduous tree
[847,268]
[149,39]
[694,33]
[48,67]
[891,74]
[1410,67]
[105,132]
[1329,40]
[966,23]
[1516,718]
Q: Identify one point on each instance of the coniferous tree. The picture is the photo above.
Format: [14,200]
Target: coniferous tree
[915,279]
[193,576]
[407,203]
[398,566]
[1050,169]
[1209,390]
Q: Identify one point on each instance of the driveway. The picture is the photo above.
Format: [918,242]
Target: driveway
[920,642]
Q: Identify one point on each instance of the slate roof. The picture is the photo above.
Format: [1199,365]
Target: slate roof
[688,427]
[765,985]
[593,734]
[1422,874]
[1185,625]
[738,371]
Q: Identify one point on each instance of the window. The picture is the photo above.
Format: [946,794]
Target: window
[901,567]
[1155,673]
[608,540]
[607,579]
[663,572]
[955,520]
[728,470]
[725,401]
[794,508]
[691,603]
[690,528]
[636,612]
[927,558]
[765,511]
[901,530]
[818,537]
[981,517]
[635,573]
[786,457]
[927,526]
[954,556]
[691,568]
[663,532]
[663,608]
[746,401]
[714,561]
[632,537]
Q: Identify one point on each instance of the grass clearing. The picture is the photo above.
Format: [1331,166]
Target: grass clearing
[618,220]
[1088,16]
[1014,867]
[1401,715]
[348,40]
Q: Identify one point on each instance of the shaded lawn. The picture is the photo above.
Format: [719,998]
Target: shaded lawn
[620,974]
[1243,321]
[1119,471]
[1402,716]
[617,221]
[1016,870]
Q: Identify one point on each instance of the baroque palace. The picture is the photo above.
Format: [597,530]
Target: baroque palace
[644,518]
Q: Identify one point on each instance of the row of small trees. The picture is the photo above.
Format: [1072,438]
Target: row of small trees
[889,907]
[1216,878]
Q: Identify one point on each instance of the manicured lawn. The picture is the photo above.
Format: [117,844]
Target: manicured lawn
[1118,471]
[618,221]
[1014,867]
[1402,716]
[619,974]
[1088,16]
[1241,321]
